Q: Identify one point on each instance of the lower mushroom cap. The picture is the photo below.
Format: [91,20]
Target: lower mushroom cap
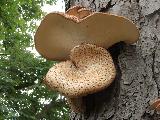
[89,70]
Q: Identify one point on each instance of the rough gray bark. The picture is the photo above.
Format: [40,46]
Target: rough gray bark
[138,65]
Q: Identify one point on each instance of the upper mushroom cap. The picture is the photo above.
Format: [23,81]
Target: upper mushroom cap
[58,33]
[89,70]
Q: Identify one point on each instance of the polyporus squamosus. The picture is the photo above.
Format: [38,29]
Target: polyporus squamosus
[84,68]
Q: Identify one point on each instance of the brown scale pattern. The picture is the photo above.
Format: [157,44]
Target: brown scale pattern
[89,70]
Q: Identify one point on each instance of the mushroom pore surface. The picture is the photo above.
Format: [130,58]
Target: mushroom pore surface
[89,70]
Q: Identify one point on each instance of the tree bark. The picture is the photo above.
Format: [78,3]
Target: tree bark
[138,65]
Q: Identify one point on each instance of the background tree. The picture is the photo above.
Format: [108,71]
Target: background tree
[138,65]
[22,96]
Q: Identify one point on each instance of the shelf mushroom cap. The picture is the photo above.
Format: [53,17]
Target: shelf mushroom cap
[58,33]
[89,70]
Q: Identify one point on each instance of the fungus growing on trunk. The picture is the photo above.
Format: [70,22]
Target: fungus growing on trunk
[79,40]
[89,70]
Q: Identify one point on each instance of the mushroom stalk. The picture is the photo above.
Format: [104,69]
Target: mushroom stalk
[76,104]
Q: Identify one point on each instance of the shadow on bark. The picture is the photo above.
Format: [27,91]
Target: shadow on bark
[95,102]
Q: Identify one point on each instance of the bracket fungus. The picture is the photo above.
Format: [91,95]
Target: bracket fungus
[75,77]
[79,39]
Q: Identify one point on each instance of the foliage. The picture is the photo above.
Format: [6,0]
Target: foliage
[22,94]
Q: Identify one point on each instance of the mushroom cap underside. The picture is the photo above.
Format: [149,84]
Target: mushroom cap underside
[89,70]
[58,33]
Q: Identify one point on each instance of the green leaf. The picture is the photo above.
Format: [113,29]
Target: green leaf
[21,73]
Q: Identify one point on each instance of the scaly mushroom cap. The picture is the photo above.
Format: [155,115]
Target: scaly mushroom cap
[155,105]
[58,33]
[89,70]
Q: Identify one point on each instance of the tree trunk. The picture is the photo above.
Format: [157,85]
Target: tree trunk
[138,65]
